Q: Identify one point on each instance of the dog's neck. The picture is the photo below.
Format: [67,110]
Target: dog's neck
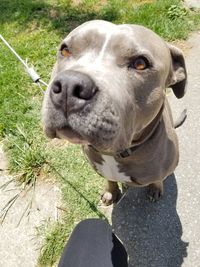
[148,131]
[139,139]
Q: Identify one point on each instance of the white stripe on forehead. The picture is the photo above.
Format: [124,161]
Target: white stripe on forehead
[107,29]
[108,37]
[101,27]
[98,59]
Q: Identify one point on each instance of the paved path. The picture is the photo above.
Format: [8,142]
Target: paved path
[167,233]
[193,3]
[19,245]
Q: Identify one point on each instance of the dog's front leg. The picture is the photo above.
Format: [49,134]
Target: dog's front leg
[155,191]
[111,193]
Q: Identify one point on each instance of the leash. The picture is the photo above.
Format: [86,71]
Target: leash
[30,70]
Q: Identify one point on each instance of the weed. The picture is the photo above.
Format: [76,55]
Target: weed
[27,157]
[176,12]
[7,207]
[57,234]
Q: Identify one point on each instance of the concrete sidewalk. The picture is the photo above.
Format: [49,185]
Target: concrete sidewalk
[20,244]
[167,233]
[192,3]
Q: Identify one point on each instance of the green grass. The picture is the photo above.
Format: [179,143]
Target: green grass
[35,28]
[80,198]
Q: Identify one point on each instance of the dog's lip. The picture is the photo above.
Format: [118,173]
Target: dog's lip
[50,132]
[65,133]
[71,135]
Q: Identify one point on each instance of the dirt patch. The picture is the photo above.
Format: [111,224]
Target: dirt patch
[142,2]
[95,6]
[76,2]
[53,13]
[183,45]
[58,143]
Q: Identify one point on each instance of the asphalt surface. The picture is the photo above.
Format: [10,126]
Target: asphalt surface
[167,233]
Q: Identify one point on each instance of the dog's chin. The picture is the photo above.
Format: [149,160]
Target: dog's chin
[71,136]
[66,133]
[99,141]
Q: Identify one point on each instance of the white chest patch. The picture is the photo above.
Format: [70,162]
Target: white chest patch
[110,170]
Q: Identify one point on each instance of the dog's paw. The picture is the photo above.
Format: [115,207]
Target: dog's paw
[108,198]
[154,193]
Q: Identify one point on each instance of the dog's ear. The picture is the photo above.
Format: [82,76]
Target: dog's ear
[178,74]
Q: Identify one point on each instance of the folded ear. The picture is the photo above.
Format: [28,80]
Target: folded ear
[178,74]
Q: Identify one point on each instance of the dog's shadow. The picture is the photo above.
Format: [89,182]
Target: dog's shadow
[151,232]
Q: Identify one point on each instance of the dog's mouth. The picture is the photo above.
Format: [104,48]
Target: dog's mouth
[97,123]
[66,133]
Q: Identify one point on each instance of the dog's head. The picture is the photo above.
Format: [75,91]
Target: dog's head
[109,83]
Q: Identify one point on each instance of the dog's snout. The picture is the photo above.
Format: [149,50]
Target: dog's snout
[72,89]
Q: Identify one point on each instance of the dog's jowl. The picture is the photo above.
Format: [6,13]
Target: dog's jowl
[107,92]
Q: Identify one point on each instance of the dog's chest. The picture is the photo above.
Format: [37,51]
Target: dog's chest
[110,170]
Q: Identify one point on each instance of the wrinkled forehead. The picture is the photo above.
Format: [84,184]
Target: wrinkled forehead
[92,30]
[108,37]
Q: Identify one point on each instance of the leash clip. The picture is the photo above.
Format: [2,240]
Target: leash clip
[30,70]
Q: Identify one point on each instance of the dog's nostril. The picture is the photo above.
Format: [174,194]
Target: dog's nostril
[83,92]
[57,87]
[77,91]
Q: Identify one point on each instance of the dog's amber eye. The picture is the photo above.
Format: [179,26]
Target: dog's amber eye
[139,63]
[65,51]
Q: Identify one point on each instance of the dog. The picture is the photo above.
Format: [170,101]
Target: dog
[108,93]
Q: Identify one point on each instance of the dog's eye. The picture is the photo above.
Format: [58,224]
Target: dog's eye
[140,63]
[65,51]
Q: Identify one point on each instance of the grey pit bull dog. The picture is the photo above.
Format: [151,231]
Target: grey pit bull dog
[108,92]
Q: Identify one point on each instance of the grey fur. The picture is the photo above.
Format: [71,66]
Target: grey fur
[127,100]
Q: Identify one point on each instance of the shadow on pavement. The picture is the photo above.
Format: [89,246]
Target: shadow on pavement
[151,232]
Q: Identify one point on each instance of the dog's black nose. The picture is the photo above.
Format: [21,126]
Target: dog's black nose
[71,90]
